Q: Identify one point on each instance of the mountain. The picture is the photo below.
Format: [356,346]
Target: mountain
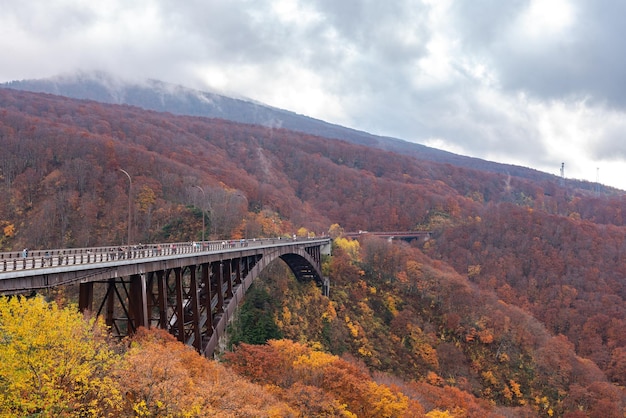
[164,97]
[518,298]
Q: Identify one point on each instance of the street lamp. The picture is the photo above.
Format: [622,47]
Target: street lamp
[130,188]
[203,194]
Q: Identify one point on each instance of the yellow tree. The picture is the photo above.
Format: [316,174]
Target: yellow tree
[8,229]
[351,247]
[335,231]
[145,199]
[53,362]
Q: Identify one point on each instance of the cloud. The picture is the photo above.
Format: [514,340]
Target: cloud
[552,49]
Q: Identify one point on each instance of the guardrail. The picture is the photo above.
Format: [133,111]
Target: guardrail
[33,259]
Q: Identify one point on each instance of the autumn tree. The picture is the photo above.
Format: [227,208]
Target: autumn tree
[381,260]
[53,362]
[617,366]
[164,378]
[295,367]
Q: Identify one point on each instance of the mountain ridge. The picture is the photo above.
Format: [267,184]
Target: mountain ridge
[176,99]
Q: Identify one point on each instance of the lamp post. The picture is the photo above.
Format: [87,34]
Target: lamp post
[130,188]
[202,207]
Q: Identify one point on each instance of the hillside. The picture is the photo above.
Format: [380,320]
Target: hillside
[521,288]
[164,97]
[430,331]
[61,160]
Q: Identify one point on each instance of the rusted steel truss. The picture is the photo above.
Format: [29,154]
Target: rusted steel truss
[187,301]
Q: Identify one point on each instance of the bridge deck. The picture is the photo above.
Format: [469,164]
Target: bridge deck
[38,269]
[190,289]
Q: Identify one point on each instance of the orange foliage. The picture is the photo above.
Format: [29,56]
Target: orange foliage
[163,377]
[447,398]
[293,367]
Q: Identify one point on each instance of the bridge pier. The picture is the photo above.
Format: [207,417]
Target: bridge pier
[217,270]
[109,319]
[85,296]
[208,297]
[195,309]
[138,302]
[161,299]
[178,325]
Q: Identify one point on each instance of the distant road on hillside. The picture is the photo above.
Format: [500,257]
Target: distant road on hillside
[403,235]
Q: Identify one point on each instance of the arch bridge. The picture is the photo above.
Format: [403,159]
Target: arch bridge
[189,289]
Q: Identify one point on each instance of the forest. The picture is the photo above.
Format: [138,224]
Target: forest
[514,307]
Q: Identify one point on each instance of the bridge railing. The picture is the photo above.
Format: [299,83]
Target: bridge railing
[33,259]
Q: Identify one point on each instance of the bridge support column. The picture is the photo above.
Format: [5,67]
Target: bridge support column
[162,299]
[138,303]
[326,287]
[180,311]
[217,271]
[195,308]
[208,294]
[228,276]
[315,253]
[109,317]
[249,264]
[85,297]
[150,300]
[237,267]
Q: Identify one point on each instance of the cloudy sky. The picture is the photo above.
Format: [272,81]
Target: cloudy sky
[530,82]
